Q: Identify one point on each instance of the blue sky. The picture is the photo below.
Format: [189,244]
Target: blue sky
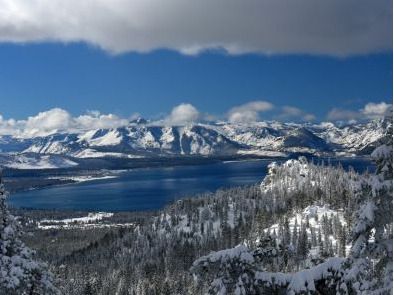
[224,59]
[77,77]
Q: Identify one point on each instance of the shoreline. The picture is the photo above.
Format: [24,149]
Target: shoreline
[49,181]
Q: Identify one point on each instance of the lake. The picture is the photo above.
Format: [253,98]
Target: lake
[153,188]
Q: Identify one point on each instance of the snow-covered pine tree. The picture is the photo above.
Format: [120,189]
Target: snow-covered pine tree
[342,242]
[369,268]
[229,271]
[302,247]
[20,274]
[241,271]
[294,238]
[286,232]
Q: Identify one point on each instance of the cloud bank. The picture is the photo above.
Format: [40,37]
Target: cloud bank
[57,120]
[249,112]
[369,111]
[182,114]
[335,27]
[293,113]
[374,110]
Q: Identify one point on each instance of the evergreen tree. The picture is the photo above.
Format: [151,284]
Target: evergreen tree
[320,241]
[286,232]
[302,247]
[370,265]
[342,242]
[294,238]
[20,273]
[313,237]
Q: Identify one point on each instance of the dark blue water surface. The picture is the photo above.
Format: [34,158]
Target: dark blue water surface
[152,188]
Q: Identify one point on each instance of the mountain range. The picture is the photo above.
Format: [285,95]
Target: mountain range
[141,140]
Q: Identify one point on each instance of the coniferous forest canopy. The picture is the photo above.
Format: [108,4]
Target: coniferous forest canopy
[307,228]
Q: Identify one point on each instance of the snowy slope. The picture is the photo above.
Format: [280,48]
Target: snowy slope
[137,140]
[325,137]
[261,139]
[35,161]
[357,137]
[313,216]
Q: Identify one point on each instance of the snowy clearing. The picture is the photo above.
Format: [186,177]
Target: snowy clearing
[262,153]
[86,222]
[83,178]
[91,153]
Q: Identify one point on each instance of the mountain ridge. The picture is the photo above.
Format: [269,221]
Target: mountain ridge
[144,140]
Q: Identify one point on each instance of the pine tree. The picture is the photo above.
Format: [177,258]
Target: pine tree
[313,237]
[320,241]
[302,248]
[286,232]
[294,238]
[370,265]
[342,241]
[233,271]
[20,273]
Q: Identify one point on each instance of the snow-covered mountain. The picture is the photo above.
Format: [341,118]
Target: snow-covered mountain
[356,138]
[326,137]
[142,140]
[138,141]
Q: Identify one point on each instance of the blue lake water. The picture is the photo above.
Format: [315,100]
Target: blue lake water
[153,188]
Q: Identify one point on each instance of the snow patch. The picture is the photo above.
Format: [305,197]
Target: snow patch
[262,153]
[39,162]
[92,220]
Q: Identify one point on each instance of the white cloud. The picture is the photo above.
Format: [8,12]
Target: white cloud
[8,126]
[293,113]
[99,121]
[182,114]
[58,120]
[335,27]
[337,114]
[48,122]
[248,112]
[369,111]
[377,109]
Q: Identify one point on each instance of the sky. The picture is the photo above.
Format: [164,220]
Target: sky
[185,61]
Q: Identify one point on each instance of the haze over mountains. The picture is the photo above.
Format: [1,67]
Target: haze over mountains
[141,140]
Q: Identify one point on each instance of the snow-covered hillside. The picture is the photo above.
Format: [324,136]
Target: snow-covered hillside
[137,140]
[323,226]
[322,230]
[356,138]
[35,161]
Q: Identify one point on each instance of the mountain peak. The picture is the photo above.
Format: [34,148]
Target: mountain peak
[139,121]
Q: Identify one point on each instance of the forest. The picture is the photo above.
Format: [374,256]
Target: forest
[307,228]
